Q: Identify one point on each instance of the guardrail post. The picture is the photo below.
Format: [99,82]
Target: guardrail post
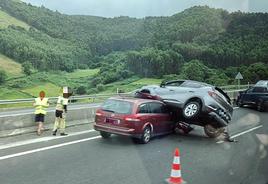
[94,97]
[234,97]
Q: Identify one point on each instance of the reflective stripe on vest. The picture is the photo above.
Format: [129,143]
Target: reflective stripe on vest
[61,102]
[41,105]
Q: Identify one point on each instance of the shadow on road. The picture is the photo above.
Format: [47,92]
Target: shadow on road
[175,137]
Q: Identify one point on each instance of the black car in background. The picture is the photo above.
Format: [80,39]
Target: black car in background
[256,97]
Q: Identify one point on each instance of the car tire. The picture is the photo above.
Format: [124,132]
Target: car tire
[260,106]
[239,103]
[105,135]
[178,129]
[146,135]
[191,110]
[213,132]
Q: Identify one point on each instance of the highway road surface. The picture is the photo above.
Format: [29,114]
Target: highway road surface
[85,158]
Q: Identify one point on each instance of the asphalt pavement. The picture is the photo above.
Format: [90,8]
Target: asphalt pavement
[84,157]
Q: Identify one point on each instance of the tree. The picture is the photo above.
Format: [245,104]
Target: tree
[27,68]
[148,47]
[255,72]
[195,70]
[151,62]
[3,76]
[81,90]
[100,87]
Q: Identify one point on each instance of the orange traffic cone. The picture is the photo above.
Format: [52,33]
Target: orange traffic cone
[175,176]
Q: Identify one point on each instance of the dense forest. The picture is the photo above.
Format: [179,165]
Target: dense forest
[199,43]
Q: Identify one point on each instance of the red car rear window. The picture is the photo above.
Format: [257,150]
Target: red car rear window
[117,106]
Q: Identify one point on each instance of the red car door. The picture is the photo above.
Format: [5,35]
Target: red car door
[163,123]
[146,116]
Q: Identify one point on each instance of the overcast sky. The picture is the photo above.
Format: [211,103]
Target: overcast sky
[142,8]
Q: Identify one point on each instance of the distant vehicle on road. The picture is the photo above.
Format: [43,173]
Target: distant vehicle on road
[139,118]
[256,96]
[195,103]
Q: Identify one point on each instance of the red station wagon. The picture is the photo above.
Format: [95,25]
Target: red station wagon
[139,118]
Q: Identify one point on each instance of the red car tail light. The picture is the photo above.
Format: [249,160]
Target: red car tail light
[213,94]
[133,118]
[98,114]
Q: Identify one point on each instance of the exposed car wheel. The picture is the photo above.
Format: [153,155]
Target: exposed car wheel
[105,135]
[146,135]
[213,132]
[191,109]
[260,106]
[182,128]
[239,103]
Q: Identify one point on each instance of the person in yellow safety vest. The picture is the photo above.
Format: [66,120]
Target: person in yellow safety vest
[40,104]
[61,110]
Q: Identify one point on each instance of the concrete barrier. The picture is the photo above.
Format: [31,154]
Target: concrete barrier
[21,124]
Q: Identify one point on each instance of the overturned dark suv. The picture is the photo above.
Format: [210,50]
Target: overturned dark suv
[193,102]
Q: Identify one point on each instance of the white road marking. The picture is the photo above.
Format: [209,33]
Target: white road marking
[43,139]
[47,148]
[247,131]
[242,133]
[236,108]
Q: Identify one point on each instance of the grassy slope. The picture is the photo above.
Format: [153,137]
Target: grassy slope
[55,81]
[9,93]
[6,20]
[147,81]
[51,86]
[51,90]
[130,85]
[12,68]
[82,73]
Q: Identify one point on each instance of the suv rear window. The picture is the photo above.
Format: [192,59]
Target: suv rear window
[192,84]
[262,83]
[117,106]
[259,90]
[174,83]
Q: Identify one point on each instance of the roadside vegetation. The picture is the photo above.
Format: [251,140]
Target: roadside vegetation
[12,68]
[40,48]
[7,20]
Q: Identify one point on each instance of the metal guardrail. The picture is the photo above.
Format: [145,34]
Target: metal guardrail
[236,87]
[232,93]
[54,99]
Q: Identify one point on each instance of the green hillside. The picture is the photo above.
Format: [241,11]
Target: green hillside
[199,43]
[51,90]
[82,73]
[12,68]
[7,20]
[9,93]
[212,35]
[50,82]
